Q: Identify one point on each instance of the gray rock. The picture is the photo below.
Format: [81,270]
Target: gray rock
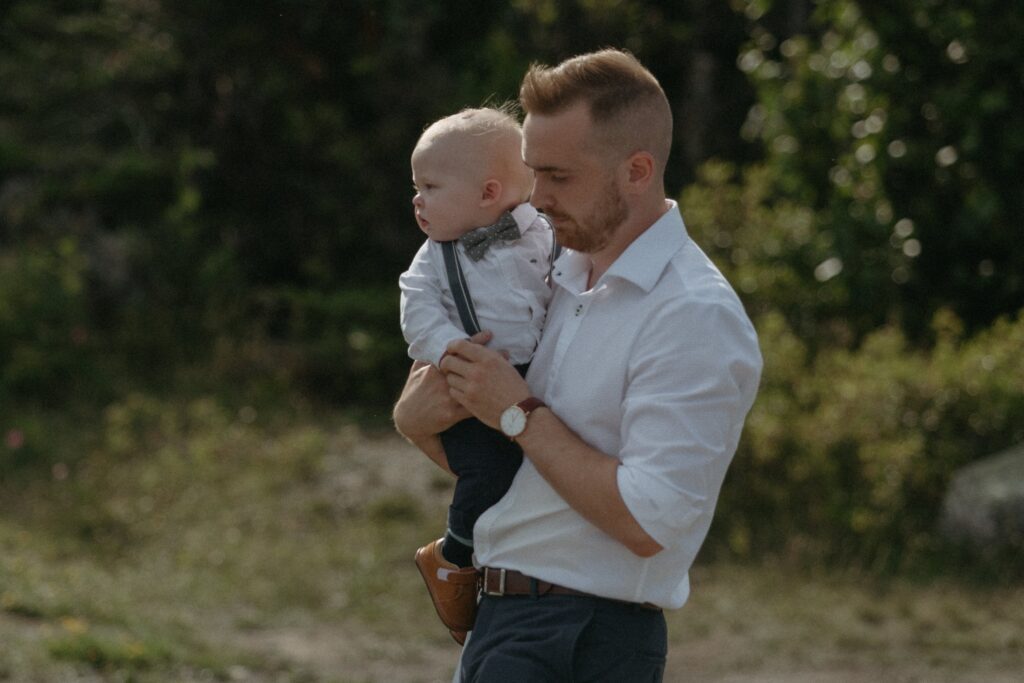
[984,504]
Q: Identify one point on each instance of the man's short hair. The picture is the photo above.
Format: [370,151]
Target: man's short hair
[625,99]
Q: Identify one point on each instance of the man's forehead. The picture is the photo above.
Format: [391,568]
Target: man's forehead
[553,141]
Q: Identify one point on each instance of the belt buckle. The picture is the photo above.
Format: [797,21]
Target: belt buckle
[501,582]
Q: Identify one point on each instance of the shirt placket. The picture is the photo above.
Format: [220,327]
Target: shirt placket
[573,321]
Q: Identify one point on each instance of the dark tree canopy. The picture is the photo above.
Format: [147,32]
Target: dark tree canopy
[173,173]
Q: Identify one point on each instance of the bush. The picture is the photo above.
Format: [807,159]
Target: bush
[847,454]
[45,341]
[856,430]
[344,347]
[893,125]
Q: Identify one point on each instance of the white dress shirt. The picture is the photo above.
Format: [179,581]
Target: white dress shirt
[656,365]
[508,287]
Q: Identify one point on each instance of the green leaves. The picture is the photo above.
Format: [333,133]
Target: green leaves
[875,114]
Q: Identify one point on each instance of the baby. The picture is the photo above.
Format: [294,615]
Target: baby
[472,189]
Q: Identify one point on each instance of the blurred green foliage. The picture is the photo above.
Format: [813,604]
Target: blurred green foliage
[851,450]
[44,336]
[850,446]
[219,195]
[206,157]
[901,124]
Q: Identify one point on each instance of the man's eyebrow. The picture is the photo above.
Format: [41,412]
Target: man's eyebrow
[548,169]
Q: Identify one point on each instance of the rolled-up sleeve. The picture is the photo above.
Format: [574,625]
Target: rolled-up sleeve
[693,375]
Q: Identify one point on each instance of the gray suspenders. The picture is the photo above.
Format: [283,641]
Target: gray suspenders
[460,290]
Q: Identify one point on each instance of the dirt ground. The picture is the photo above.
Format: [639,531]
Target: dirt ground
[356,610]
[741,625]
[722,641]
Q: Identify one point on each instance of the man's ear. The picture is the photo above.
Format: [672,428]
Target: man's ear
[491,192]
[639,171]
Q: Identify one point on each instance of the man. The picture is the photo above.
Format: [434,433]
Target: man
[632,407]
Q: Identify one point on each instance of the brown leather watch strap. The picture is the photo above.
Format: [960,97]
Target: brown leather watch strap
[528,405]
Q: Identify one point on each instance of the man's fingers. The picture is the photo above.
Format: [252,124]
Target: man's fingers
[451,362]
[481,337]
[456,368]
[468,350]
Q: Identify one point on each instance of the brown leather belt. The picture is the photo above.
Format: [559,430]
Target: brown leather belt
[499,582]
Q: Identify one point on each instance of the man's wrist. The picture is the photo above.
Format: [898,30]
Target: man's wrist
[515,419]
[531,425]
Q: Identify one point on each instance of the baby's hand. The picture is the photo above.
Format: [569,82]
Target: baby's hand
[484,336]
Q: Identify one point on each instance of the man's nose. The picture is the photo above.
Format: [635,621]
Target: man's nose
[538,196]
[417,200]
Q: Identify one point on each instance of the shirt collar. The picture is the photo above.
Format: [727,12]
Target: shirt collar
[525,214]
[643,261]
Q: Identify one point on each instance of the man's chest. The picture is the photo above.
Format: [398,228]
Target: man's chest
[582,366]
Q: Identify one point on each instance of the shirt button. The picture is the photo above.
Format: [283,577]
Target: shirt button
[579,309]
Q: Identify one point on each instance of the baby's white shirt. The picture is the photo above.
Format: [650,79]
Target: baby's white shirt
[508,287]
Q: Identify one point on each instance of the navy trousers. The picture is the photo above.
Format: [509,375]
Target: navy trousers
[486,462]
[561,638]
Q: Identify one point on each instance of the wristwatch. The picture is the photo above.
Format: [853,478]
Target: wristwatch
[513,420]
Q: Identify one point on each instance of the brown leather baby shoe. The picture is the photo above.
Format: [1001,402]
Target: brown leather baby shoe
[453,589]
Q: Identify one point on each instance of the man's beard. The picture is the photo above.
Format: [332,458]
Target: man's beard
[593,232]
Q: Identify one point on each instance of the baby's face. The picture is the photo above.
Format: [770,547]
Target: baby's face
[447,199]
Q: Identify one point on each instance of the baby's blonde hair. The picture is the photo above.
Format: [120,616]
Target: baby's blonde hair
[494,135]
[482,121]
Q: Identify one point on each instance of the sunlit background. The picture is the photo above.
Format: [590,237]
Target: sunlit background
[204,210]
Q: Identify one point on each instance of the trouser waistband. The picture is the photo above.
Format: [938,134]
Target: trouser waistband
[500,582]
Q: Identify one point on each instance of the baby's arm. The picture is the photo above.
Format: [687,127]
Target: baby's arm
[426,325]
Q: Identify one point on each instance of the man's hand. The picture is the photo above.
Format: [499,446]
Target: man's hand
[426,407]
[482,380]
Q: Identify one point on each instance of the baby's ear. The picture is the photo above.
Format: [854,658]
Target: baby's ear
[491,192]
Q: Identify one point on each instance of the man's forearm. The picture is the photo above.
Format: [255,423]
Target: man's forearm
[431,446]
[424,410]
[585,478]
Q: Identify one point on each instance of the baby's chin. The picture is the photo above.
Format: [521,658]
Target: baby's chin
[439,234]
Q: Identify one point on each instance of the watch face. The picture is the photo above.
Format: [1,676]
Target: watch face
[513,421]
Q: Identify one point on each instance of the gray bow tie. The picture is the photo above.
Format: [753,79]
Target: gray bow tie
[478,241]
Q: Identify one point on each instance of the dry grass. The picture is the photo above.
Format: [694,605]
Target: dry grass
[194,545]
